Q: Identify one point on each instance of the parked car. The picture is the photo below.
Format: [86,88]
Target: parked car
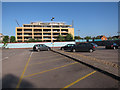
[41,47]
[67,47]
[94,44]
[83,47]
[111,45]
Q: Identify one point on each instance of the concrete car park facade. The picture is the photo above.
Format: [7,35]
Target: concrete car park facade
[45,31]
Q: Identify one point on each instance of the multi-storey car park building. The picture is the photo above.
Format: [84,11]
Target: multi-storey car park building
[45,31]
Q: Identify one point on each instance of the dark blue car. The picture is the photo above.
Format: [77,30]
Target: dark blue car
[111,45]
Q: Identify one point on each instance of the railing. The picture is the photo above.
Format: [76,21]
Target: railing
[38,35]
[19,35]
[64,31]
[37,31]
[27,31]
[47,31]
[19,31]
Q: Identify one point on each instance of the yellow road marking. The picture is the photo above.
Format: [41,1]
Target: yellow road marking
[49,70]
[18,85]
[78,80]
[45,61]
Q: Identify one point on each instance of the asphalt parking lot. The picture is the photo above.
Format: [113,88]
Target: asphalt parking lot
[103,54]
[24,68]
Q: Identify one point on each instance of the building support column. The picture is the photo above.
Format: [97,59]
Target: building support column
[51,34]
[22,35]
[60,31]
[16,34]
[32,33]
[42,34]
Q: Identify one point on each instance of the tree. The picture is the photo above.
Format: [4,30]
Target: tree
[38,40]
[6,39]
[5,44]
[77,37]
[31,40]
[88,37]
[12,39]
[98,37]
[69,37]
[60,38]
[109,37]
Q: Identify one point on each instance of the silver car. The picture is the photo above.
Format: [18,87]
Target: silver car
[41,47]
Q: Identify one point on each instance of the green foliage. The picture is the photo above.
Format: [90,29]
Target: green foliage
[69,37]
[78,37]
[60,38]
[88,37]
[5,44]
[38,40]
[109,38]
[98,37]
[33,40]
[12,39]
[115,38]
[6,39]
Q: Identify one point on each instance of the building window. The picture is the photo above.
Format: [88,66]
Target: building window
[20,41]
[37,37]
[56,34]
[64,30]
[27,29]
[27,37]
[46,37]
[56,30]
[46,33]
[19,37]
[19,29]
[37,33]
[46,30]
[38,30]
[64,33]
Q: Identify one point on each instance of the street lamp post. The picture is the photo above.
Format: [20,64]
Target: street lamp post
[52,33]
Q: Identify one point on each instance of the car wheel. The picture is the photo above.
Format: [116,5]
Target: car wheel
[62,48]
[48,49]
[91,50]
[114,47]
[38,50]
[74,50]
